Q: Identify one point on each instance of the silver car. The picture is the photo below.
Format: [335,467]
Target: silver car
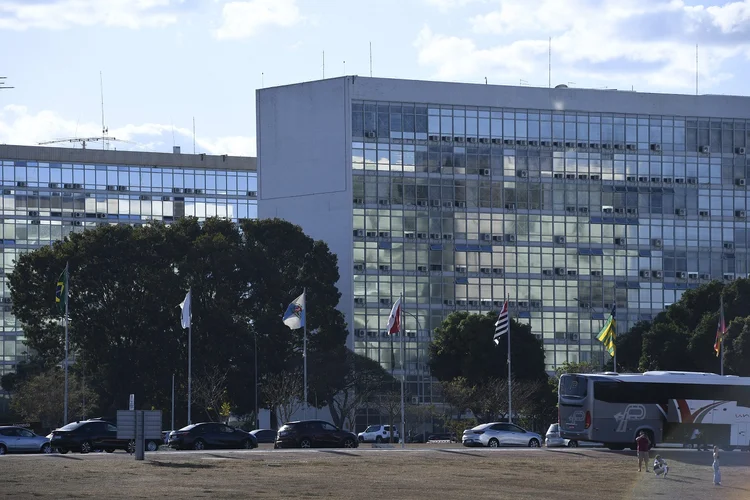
[553,438]
[20,440]
[496,434]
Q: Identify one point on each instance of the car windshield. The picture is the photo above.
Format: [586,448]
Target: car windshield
[554,428]
[188,427]
[573,386]
[373,428]
[71,426]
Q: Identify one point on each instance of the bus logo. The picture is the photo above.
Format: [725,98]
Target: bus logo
[632,412]
[577,416]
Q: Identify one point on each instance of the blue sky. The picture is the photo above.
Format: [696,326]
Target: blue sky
[166,61]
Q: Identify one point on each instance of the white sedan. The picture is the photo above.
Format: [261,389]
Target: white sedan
[378,434]
[496,434]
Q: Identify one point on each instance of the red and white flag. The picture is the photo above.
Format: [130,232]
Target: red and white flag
[394,320]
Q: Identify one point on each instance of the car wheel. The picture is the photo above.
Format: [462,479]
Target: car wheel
[3,449]
[131,447]
[572,444]
[305,443]
[378,439]
[46,448]
[199,445]
[533,443]
[361,439]
[62,451]
[349,443]
[86,447]
[494,443]
[246,444]
[151,446]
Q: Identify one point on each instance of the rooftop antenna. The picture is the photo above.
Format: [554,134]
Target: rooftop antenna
[193,135]
[344,68]
[261,81]
[2,83]
[370,59]
[485,80]
[173,141]
[105,130]
[549,63]
[523,82]
[324,65]
[696,69]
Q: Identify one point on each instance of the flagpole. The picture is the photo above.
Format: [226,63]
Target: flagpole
[304,349]
[66,296]
[403,371]
[615,346]
[190,355]
[510,388]
[722,327]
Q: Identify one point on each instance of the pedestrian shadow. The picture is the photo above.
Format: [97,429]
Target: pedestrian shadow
[576,453]
[467,453]
[68,457]
[336,452]
[180,465]
[224,456]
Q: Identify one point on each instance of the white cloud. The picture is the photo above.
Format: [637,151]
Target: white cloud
[20,126]
[599,42]
[61,14]
[445,5]
[245,19]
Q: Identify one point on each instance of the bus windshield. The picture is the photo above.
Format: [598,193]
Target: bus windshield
[573,386]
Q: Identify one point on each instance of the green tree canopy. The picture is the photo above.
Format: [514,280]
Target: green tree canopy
[125,286]
[463,347]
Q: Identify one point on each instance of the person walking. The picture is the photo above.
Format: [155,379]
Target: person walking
[717,471]
[642,444]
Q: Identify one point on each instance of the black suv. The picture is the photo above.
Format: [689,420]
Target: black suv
[211,435]
[313,434]
[91,435]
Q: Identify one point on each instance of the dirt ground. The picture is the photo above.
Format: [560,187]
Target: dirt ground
[434,474]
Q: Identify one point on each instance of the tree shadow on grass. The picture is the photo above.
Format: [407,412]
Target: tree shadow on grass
[458,452]
[336,452]
[180,465]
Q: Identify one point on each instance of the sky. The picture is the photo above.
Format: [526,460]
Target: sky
[165,63]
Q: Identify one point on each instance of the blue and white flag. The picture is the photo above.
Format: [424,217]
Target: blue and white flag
[187,310]
[294,317]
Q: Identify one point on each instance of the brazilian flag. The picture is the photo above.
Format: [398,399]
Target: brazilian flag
[61,291]
[607,334]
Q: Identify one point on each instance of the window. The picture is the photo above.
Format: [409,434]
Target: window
[226,429]
[328,427]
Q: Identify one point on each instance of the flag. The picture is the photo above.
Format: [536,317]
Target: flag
[61,290]
[502,325]
[721,329]
[394,320]
[187,310]
[294,317]
[607,334]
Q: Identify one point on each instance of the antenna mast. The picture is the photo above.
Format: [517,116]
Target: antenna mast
[370,59]
[193,135]
[549,63]
[696,69]
[105,130]
[324,65]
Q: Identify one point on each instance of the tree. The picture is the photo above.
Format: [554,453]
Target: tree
[568,367]
[41,398]
[389,403]
[362,378]
[737,347]
[462,347]
[209,392]
[629,347]
[284,392]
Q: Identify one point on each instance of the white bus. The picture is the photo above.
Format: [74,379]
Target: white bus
[668,406]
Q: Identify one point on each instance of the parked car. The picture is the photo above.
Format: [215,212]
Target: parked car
[19,440]
[498,434]
[264,435]
[553,439]
[378,434]
[211,435]
[91,435]
[313,434]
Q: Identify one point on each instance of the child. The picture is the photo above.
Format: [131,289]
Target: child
[660,467]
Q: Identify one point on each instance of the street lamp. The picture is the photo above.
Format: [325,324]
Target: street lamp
[419,372]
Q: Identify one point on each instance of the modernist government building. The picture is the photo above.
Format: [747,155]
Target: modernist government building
[570,201]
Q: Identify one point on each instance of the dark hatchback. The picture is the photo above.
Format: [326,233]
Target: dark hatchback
[90,435]
[211,435]
[313,434]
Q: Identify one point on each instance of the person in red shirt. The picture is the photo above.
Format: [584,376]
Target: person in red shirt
[642,443]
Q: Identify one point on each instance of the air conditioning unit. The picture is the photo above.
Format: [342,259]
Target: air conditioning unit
[498,303]
[704,149]
[728,276]
[435,236]
[447,236]
[559,239]
[422,269]
[681,275]
[557,144]
[510,237]
[461,204]
[596,273]
[739,214]
[728,245]
[606,145]
[433,138]
[705,276]
[594,145]
[484,140]
[20,184]
[572,272]
[560,271]
[594,177]
[667,180]
[460,302]
[384,267]
[485,270]
[498,270]
[584,210]
[545,143]
[570,176]
[573,337]
[657,274]
[448,204]
[435,203]
[582,177]
[536,303]
[570,144]
[582,145]
[656,147]
[522,173]
[383,202]
[497,141]
[33,213]
[114,188]
[164,198]
[498,237]
[692,180]
[370,134]
[656,243]
[680,211]
[461,269]
[508,142]
[359,267]
[510,206]
[484,171]
[584,305]
[359,233]
[643,178]
[679,180]
[740,182]
[358,201]
[692,276]
[422,236]
[409,235]
[359,300]
[570,209]
[631,211]
[385,302]
[486,237]
[359,332]
[436,267]
[421,203]
[474,303]
[740,151]
[618,146]
[372,234]
[144,197]
[619,210]
[486,303]
[655,179]
[521,142]
[631,147]
[607,210]
[558,175]
[704,213]
[547,272]
[645,274]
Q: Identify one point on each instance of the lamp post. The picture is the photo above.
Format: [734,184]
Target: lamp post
[419,372]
